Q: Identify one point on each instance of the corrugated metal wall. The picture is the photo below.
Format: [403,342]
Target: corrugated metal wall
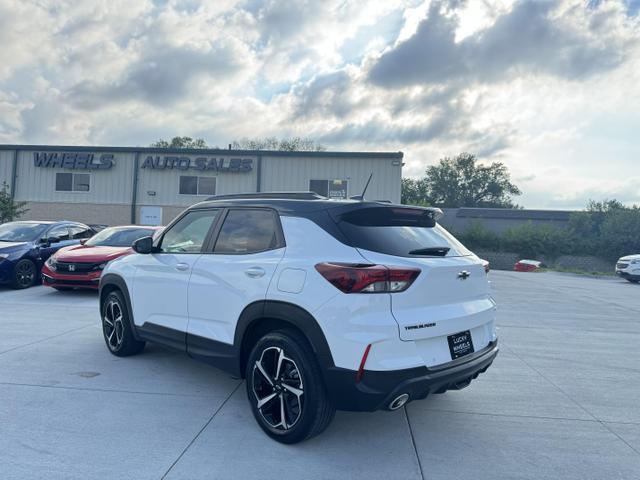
[6,167]
[294,173]
[160,187]
[112,186]
[164,184]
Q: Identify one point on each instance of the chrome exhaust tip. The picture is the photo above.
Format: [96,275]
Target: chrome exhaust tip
[399,401]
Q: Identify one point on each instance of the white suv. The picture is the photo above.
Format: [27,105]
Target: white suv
[629,267]
[319,304]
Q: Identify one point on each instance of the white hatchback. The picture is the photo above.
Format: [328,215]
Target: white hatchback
[319,304]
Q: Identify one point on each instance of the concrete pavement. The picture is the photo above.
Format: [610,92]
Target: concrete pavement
[560,401]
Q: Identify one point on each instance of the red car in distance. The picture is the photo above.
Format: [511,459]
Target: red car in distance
[80,266]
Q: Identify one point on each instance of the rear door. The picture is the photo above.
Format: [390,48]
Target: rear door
[451,294]
[234,273]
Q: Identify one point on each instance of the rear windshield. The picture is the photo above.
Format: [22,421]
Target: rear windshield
[403,232]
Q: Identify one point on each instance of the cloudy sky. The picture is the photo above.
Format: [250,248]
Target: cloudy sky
[552,89]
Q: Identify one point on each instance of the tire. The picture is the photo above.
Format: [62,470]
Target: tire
[62,289]
[24,274]
[299,391]
[116,326]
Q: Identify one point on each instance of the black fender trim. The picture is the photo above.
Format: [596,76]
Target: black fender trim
[111,279]
[288,313]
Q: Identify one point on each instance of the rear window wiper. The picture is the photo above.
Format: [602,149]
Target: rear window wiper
[431,251]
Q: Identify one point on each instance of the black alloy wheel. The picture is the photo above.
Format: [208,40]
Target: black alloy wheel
[285,388]
[116,326]
[24,274]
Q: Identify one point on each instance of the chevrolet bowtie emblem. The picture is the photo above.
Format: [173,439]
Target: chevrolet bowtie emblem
[464,274]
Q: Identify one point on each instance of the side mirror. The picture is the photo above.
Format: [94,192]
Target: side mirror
[143,245]
[51,240]
[83,241]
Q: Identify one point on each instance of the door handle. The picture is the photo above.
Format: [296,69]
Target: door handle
[254,272]
[182,266]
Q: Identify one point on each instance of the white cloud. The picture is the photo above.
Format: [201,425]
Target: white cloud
[550,89]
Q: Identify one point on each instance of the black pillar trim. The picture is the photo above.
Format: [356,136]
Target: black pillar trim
[14,174]
[259,174]
[134,191]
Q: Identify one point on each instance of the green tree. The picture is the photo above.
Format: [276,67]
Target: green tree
[292,144]
[414,192]
[463,182]
[180,142]
[9,208]
[619,233]
[585,227]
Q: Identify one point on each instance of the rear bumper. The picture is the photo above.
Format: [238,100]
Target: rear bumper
[378,388]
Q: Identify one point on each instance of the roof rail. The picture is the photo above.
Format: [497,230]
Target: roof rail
[270,195]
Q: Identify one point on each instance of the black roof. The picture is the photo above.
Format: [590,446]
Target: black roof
[202,151]
[299,203]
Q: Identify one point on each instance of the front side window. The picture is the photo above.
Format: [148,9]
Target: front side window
[189,233]
[73,182]
[248,231]
[192,185]
[329,188]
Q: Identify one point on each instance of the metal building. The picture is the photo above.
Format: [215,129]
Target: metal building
[120,185]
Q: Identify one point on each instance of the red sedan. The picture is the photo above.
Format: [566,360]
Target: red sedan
[80,266]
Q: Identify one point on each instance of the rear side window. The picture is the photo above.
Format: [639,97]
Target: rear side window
[61,233]
[403,232]
[249,231]
[78,232]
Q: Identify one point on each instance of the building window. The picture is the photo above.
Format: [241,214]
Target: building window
[329,188]
[191,185]
[73,182]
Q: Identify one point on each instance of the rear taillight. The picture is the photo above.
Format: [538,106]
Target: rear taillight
[367,278]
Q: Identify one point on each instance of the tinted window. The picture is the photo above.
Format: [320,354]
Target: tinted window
[248,231]
[78,232]
[402,232]
[206,185]
[119,236]
[321,187]
[329,188]
[189,233]
[59,232]
[64,182]
[191,185]
[81,182]
[188,185]
[73,182]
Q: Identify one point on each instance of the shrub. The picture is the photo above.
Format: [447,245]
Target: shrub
[478,236]
[531,240]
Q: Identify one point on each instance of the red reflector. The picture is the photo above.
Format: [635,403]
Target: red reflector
[362,362]
[366,278]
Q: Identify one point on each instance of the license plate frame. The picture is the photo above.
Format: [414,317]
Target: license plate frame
[460,344]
